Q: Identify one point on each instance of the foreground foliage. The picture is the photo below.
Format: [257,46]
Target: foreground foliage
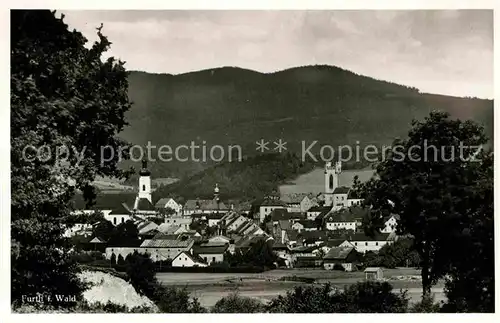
[364,297]
[443,192]
[68,101]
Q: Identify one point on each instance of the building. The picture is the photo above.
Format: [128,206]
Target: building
[345,219]
[305,225]
[169,203]
[269,204]
[210,253]
[162,249]
[390,223]
[186,259]
[171,229]
[297,202]
[332,172]
[364,243]
[214,205]
[312,238]
[315,211]
[145,183]
[214,219]
[374,273]
[283,252]
[183,221]
[340,256]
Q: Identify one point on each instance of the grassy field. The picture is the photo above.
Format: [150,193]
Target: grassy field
[210,287]
[314,181]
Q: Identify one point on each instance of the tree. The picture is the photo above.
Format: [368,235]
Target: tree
[141,272]
[113,259]
[64,99]
[470,283]
[261,254]
[125,234]
[103,230]
[428,179]
[234,303]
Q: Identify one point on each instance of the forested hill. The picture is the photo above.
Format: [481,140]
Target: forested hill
[236,106]
[249,179]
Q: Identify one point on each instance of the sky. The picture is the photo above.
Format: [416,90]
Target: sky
[445,51]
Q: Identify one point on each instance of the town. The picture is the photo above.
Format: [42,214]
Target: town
[304,230]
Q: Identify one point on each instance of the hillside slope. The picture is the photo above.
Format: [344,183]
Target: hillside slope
[228,105]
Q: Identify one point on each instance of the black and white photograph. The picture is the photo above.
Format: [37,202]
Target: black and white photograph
[251,161]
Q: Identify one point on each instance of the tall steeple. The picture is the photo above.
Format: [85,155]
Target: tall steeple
[331,180]
[145,182]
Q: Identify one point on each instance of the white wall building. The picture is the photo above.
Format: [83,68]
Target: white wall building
[185,259]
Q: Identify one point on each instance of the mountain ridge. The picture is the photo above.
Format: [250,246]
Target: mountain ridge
[232,105]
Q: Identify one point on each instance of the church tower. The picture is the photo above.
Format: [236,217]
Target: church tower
[332,172]
[145,182]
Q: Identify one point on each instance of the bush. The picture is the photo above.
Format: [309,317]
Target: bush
[84,307]
[142,274]
[426,305]
[338,267]
[364,297]
[113,260]
[120,261]
[234,303]
[86,257]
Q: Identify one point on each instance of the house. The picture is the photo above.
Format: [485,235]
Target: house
[246,242]
[345,219]
[390,223]
[304,253]
[171,229]
[340,195]
[214,219]
[314,211]
[297,202]
[204,206]
[305,225]
[169,203]
[283,252]
[343,256]
[186,259]
[364,243]
[353,199]
[308,261]
[220,239]
[210,253]
[147,229]
[146,226]
[278,215]
[158,248]
[312,238]
[290,237]
[182,221]
[338,242]
[374,273]
[265,207]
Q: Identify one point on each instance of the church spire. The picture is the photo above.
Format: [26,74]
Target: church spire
[145,171]
[216,192]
